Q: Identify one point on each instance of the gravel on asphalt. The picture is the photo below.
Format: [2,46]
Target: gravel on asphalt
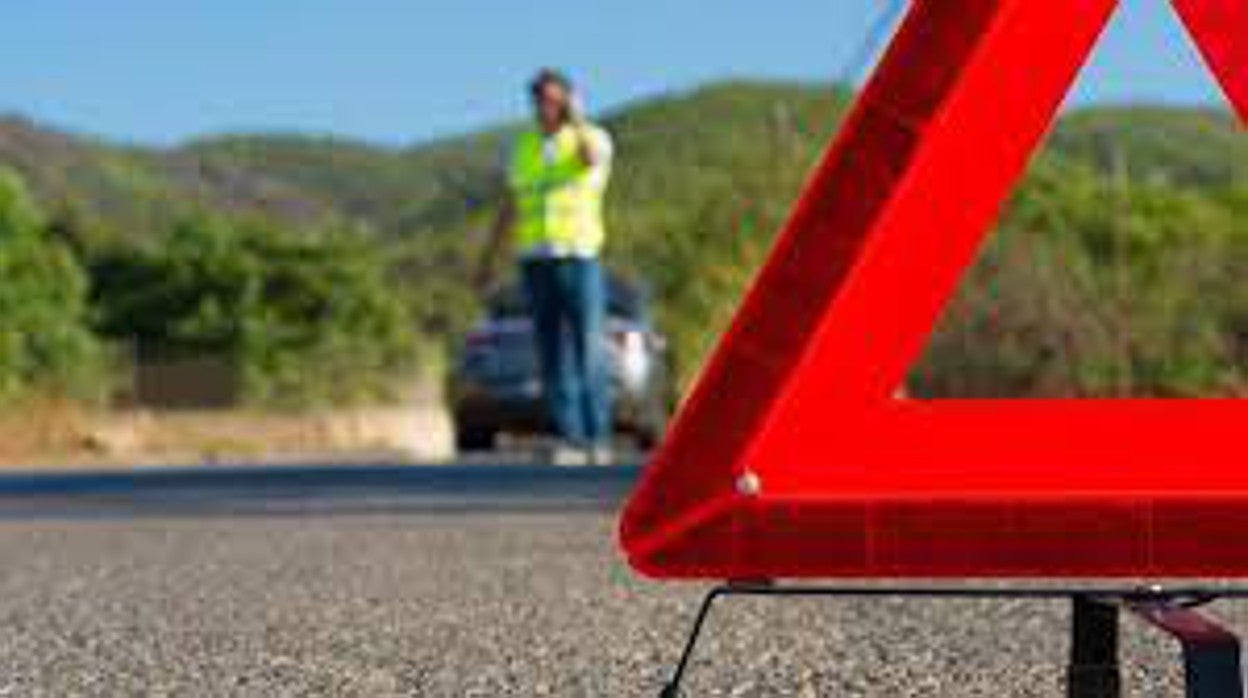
[472,603]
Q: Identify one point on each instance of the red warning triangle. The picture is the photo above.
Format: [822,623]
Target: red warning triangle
[791,458]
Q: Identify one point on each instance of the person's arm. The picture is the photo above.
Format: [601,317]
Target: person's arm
[586,148]
[586,145]
[499,239]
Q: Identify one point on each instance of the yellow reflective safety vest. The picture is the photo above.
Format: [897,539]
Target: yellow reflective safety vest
[559,199]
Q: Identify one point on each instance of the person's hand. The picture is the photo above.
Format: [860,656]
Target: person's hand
[580,125]
[576,110]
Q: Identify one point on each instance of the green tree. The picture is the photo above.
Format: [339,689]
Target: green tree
[305,320]
[46,345]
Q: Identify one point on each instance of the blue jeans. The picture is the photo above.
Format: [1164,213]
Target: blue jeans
[568,302]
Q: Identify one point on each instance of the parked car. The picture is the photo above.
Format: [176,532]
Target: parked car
[496,388]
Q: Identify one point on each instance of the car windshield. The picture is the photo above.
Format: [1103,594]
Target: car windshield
[624,300]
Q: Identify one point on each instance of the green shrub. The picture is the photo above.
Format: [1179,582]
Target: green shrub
[305,320]
[46,346]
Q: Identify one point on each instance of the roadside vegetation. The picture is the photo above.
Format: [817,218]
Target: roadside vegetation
[302,319]
[47,346]
[321,267]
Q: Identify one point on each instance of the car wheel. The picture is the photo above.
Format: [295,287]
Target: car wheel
[472,439]
[647,439]
[652,427]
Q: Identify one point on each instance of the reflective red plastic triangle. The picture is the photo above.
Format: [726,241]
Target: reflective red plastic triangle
[1220,30]
[792,459]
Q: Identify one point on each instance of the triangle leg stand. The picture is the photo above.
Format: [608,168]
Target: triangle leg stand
[1212,656]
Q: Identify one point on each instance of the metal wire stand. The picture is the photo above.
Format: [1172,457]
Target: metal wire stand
[1212,658]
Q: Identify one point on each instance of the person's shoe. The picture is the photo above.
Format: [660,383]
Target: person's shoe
[568,456]
[601,455]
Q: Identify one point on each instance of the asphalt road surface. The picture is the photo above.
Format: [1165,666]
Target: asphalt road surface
[484,581]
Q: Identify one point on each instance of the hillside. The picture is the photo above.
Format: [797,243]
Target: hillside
[305,178]
[1139,210]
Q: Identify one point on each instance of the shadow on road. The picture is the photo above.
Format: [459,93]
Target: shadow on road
[313,490]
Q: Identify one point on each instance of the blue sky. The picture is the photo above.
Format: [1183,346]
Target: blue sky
[401,71]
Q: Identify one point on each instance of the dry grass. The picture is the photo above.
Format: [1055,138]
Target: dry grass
[43,430]
[59,434]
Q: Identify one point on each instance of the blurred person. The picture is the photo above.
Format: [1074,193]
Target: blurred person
[557,175]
